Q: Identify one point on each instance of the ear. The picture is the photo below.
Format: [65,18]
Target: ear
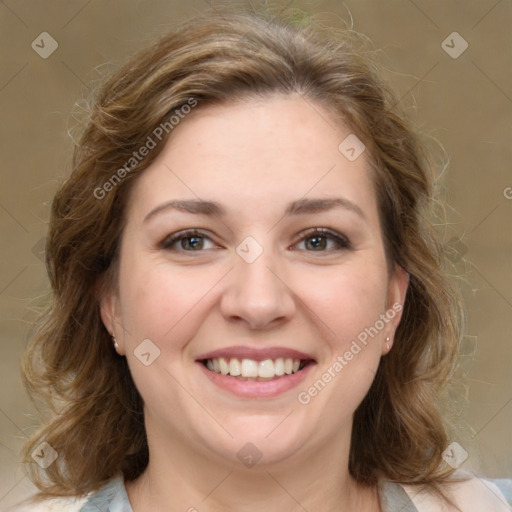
[110,314]
[397,291]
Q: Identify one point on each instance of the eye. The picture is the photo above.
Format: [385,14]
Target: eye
[323,240]
[313,240]
[190,240]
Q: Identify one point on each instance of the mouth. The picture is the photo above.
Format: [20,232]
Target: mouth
[252,370]
[256,373]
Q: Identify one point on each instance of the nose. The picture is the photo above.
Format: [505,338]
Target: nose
[257,295]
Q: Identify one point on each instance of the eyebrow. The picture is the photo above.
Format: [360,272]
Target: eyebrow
[299,207]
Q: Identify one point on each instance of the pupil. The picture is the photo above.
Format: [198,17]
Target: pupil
[193,242]
[317,242]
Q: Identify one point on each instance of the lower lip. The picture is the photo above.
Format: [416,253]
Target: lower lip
[257,389]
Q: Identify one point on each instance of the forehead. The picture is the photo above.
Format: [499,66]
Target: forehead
[257,154]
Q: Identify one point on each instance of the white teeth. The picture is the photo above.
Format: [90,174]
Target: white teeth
[279,366]
[266,368]
[234,367]
[223,366]
[249,368]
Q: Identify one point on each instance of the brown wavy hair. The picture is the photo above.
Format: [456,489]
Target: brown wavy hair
[98,425]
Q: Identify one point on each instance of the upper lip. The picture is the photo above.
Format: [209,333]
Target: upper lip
[257,354]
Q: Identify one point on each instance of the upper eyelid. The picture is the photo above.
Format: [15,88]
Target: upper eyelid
[323,231]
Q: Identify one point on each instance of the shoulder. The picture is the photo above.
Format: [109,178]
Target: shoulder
[470,495]
[112,496]
[51,505]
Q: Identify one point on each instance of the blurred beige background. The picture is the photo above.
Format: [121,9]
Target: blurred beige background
[464,103]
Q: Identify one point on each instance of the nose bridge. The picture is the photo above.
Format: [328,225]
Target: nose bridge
[257,278]
[254,293]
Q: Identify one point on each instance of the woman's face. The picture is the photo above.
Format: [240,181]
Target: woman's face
[285,262]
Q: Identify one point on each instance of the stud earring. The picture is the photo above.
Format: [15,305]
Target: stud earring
[116,345]
[388,343]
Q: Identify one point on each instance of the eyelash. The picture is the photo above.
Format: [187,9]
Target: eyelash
[342,242]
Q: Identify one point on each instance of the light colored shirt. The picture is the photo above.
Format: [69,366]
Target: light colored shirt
[476,495]
[113,498]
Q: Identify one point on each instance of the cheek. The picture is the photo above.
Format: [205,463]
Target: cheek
[348,308]
[160,303]
[166,306]
[347,301]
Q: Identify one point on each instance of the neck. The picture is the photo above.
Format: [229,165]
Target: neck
[181,477]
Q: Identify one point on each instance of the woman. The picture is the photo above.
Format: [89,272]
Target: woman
[250,304]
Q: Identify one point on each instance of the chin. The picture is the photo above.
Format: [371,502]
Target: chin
[259,441]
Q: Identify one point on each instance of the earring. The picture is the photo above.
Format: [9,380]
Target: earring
[388,343]
[116,345]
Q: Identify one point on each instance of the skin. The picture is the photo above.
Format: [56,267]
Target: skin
[254,158]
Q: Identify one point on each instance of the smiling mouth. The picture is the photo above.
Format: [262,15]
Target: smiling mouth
[253,370]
